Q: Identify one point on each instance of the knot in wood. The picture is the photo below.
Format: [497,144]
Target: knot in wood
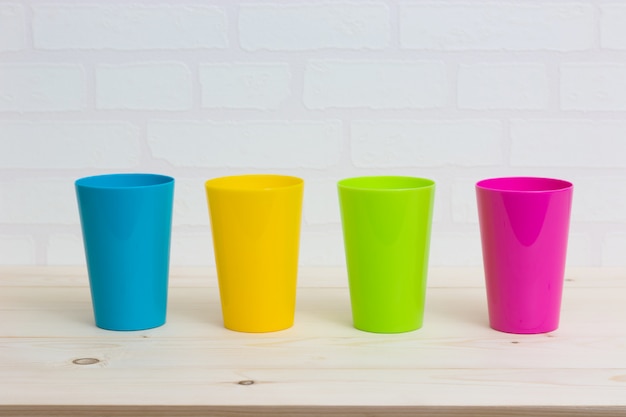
[85,361]
[246,382]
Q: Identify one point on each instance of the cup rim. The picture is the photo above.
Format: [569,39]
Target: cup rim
[121,181]
[253,182]
[374,183]
[524,184]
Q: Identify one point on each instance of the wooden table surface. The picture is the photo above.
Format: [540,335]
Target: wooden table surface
[54,361]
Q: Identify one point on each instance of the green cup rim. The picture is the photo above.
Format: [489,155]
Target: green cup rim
[385,183]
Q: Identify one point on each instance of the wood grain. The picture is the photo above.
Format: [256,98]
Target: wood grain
[311,411]
[54,361]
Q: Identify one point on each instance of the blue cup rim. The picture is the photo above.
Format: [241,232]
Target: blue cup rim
[124,181]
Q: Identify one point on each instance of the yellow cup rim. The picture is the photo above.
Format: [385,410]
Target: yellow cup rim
[253,182]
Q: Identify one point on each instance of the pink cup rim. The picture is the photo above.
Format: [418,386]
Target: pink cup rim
[524,184]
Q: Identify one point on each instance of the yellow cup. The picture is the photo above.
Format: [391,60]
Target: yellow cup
[255,221]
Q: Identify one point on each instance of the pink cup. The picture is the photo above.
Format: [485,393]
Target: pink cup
[524,226]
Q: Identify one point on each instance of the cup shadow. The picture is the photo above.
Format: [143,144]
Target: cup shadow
[324,305]
[198,306]
[452,305]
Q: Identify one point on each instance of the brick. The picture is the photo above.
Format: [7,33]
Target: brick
[253,144]
[492,26]
[586,86]
[598,199]
[375,84]
[463,200]
[42,87]
[518,86]
[12,27]
[441,206]
[306,26]
[38,201]
[321,201]
[69,145]
[613,250]
[612,30]
[17,250]
[128,27]
[192,249]
[322,248]
[455,249]
[245,86]
[65,249]
[580,250]
[190,204]
[144,86]
[407,143]
[568,143]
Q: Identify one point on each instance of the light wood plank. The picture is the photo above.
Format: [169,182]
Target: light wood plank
[311,411]
[308,277]
[455,365]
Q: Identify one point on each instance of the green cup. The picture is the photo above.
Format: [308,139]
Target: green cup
[386,228]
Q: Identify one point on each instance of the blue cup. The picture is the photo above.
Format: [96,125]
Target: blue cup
[126,222]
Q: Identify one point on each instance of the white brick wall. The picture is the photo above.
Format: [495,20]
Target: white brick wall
[612,29]
[613,249]
[65,249]
[568,143]
[144,86]
[453,25]
[451,90]
[519,86]
[374,84]
[314,25]
[599,200]
[38,201]
[12,27]
[245,86]
[247,144]
[17,250]
[128,27]
[409,143]
[42,87]
[63,145]
[319,193]
[593,86]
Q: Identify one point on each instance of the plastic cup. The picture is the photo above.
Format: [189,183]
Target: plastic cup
[255,222]
[126,223]
[524,226]
[386,227]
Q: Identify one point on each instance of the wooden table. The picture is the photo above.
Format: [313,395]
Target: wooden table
[54,361]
